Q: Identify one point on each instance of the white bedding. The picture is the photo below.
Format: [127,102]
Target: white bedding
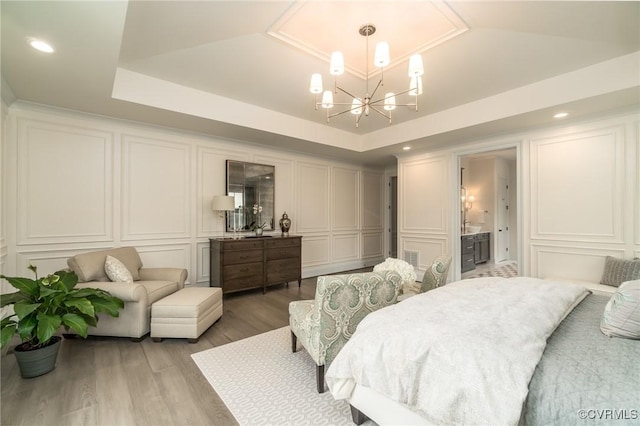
[461,354]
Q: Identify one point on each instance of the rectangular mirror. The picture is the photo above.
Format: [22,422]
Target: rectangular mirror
[252,186]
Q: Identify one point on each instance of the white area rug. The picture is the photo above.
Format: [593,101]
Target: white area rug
[263,383]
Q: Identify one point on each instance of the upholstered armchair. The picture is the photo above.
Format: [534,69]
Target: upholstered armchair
[436,274]
[325,324]
[138,290]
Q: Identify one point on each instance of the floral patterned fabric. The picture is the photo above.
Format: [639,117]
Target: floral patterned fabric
[325,324]
[436,275]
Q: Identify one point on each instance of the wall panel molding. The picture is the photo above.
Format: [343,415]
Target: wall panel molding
[211,180]
[372,245]
[156,194]
[570,261]
[313,197]
[579,200]
[423,192]
[345,196]
[345,247]
[315,250]
[428,248]
[48,180]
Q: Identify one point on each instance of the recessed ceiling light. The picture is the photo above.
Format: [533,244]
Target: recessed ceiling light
[560,115]
[41,45]
[406,148]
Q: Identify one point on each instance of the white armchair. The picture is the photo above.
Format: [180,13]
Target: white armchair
[149,285]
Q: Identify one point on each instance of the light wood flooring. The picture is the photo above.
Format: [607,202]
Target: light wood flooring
[113,381]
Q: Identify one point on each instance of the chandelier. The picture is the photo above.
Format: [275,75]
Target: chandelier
[362,106]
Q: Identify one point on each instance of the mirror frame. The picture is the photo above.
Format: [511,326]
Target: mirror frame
[263,191]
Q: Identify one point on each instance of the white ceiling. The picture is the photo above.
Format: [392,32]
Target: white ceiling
[215,67]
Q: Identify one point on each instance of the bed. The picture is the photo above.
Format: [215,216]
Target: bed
[564,372]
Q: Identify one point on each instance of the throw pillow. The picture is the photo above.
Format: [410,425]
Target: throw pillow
[617,271]
[116,271]
[621,317]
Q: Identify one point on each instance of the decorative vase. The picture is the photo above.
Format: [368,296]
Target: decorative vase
[285,224]
[258,231]
[37,362]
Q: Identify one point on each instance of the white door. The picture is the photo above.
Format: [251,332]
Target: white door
[502,221]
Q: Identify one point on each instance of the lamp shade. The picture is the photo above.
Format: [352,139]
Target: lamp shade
[222,203]
[356,107]
[327,99]
[336,66]
[389,101]
[316,83]
[381,57]
[416,68]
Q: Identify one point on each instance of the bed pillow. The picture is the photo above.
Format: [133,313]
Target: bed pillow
[621,317]
[617,271]
[116,271]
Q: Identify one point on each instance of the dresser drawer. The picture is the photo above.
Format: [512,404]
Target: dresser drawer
[246,256]
[243,244]
[283,270]
[245,275]
[282,242]
[283,253]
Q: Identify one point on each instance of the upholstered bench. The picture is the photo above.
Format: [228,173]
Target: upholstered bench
[186,313]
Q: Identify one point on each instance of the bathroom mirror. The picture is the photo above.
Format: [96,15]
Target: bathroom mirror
[252,187]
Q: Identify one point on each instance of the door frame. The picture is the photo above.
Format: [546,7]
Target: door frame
[455,230]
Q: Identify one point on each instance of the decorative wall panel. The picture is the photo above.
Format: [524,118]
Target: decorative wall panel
[346,247]
[577,263]
[373,204]
[156,189]
[313,197]
[202,264]
[315,251]
[372,244]
[64,183]
[212,178]
[580,199]
[346,198]
[423,193]
[427,248]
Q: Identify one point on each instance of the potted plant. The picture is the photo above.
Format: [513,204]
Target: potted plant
[41,306]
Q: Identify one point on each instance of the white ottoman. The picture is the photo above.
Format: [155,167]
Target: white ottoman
[187,313]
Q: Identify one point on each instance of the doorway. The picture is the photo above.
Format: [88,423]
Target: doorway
[488,183]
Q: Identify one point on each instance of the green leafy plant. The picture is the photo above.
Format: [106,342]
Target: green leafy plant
[42,305]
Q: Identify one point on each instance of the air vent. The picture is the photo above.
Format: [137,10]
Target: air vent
[411,257]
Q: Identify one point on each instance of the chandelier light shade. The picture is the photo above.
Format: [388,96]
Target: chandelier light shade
[389,101]
[381,58]
[416,69]
[362,106]
[327,99]
[316,83]
[336,66]
[356,106]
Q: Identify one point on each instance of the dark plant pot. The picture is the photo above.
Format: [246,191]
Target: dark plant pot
[37,362]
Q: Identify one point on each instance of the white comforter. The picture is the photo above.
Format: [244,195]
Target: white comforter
[461,354]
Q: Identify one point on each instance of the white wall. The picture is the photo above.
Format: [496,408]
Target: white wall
[579,197]
[77,182]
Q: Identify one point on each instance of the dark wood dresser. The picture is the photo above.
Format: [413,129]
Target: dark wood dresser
[246,263]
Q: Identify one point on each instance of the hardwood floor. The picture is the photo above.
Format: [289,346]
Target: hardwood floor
[113,381]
